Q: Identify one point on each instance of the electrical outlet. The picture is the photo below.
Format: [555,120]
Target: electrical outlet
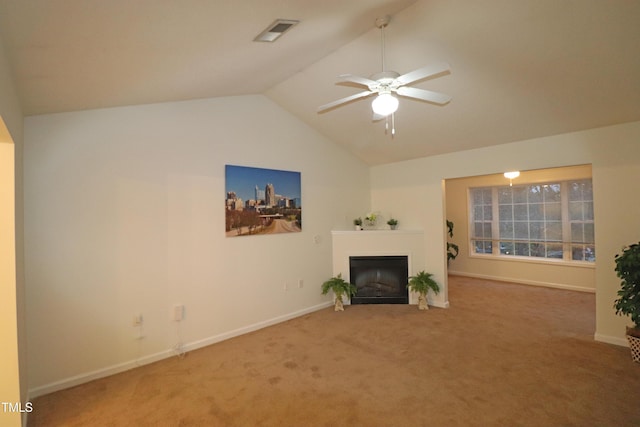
[178,312]
[137,320]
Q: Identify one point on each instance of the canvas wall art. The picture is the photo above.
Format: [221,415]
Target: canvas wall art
[262,201]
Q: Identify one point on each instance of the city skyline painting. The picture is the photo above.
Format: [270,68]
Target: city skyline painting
[262,201]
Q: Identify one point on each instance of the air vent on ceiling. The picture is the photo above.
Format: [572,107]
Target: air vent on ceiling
[275,30]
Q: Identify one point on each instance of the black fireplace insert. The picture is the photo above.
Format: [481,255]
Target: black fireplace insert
[379,279]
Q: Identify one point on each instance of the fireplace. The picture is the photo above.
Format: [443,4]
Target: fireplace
[379,279]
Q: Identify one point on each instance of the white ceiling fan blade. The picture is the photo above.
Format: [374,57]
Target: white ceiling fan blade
[357,79]
[343,100]
[425,95]
[423,73]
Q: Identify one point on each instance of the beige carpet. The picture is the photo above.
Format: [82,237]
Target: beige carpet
[502,355]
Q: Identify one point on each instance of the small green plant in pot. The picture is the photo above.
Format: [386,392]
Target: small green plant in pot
[628,301]
[421,283]
[340,288]
[393,223]
[358,223]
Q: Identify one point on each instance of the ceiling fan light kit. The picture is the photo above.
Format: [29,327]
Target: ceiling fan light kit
[385,104]
[387,83]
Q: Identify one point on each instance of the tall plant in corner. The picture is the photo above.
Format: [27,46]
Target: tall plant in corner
[628,301]
[452,248]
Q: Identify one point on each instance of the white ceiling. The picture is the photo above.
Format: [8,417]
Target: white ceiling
[520,68]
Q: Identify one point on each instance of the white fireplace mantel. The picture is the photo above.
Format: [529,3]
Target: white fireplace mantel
[408,243]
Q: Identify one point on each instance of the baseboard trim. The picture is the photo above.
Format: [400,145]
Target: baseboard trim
[439,304]
[97,374]
[622,342]
[122,367]
[524,282]
[254,327]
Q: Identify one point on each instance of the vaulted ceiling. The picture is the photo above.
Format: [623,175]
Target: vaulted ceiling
[520,69]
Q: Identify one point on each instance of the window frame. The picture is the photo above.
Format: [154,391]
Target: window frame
[492,246]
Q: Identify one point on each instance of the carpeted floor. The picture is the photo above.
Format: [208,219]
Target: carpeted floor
[502,355]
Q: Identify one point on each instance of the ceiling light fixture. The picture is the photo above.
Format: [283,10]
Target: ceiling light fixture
[385,104]
[511,176]
[275,30]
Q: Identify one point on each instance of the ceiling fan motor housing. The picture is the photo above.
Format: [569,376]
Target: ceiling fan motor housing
[384,82]
[385,76]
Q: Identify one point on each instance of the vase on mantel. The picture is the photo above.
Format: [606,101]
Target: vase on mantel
[370,220]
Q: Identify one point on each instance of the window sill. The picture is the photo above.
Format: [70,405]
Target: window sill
[545,261]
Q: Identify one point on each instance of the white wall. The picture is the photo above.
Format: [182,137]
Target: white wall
[9,355]
[413,191]
[124,214]
[566,275]
[12,324]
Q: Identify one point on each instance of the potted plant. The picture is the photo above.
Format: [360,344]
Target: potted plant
[628,301]
[358,223]
[340,287]
[452,248]
[421,283]
[393,223]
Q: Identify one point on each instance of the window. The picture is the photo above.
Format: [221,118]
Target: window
[551,220]
[581,221]
[482,220]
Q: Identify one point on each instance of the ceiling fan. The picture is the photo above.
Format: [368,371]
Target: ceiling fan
[387,83]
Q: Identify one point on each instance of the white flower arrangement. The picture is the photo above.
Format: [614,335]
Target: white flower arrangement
[371,217]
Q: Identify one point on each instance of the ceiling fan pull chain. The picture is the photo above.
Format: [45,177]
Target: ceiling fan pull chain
[393,125]
[386,125]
